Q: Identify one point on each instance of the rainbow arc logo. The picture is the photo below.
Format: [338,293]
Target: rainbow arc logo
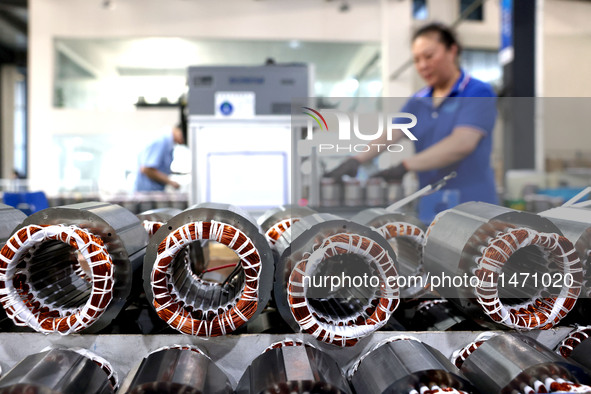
[317,116]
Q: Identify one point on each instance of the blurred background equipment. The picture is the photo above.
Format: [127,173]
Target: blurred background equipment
[243,115]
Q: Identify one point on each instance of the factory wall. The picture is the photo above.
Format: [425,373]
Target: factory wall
[566,65]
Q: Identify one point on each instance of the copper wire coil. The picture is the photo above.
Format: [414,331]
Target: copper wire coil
[153,219]
[406,235]
[351,329]
[285,342]
[575,223]
[436,390]
[276,221]
[574,339]
[21,300]
[181,347]
[151,227]
[279,228]
[539,312]
[496,244]
[192,304]
[526,366]
[173,311]
[462,354]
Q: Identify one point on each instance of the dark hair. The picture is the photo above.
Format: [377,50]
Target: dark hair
[446,35]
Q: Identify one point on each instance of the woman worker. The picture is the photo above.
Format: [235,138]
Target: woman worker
[455,119]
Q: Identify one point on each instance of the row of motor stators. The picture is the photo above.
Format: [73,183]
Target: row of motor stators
[73,269]
[493,363]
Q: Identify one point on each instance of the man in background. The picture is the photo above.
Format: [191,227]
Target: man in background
[155,160]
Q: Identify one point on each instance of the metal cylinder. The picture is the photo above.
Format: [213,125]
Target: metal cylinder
[352,193]
[394,192]
[406,235]
[316,252]
[405,364]
[183,298]
[517,363]
[293,367]
[60,371]
[575,224]
[375,192]
[504,261]
[153,219]
[176,369]
[9,218]
[330,192]
[275,221]
[70,269]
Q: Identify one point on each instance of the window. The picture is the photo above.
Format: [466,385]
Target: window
[419,9]
[476,15]
[483,64]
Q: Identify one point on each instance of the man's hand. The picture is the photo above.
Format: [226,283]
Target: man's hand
[392,174]
[348,167]
[174,184]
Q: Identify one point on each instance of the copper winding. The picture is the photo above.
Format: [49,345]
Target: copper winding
[401,229]
[349,331]
[540,312]
[465,352]
[433,223]
[568,344]
[284,343]
[436,390]
[273,234]
[411,231]
[549,378]
[20,300]
[459,356]
[151,226]
[217,322]
[556,384]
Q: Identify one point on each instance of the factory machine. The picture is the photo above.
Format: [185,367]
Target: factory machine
[241,132]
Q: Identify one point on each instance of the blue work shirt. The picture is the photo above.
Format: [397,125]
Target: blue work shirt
[471,103]
[157,155]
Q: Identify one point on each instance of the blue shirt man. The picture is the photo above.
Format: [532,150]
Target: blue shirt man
[154,163]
